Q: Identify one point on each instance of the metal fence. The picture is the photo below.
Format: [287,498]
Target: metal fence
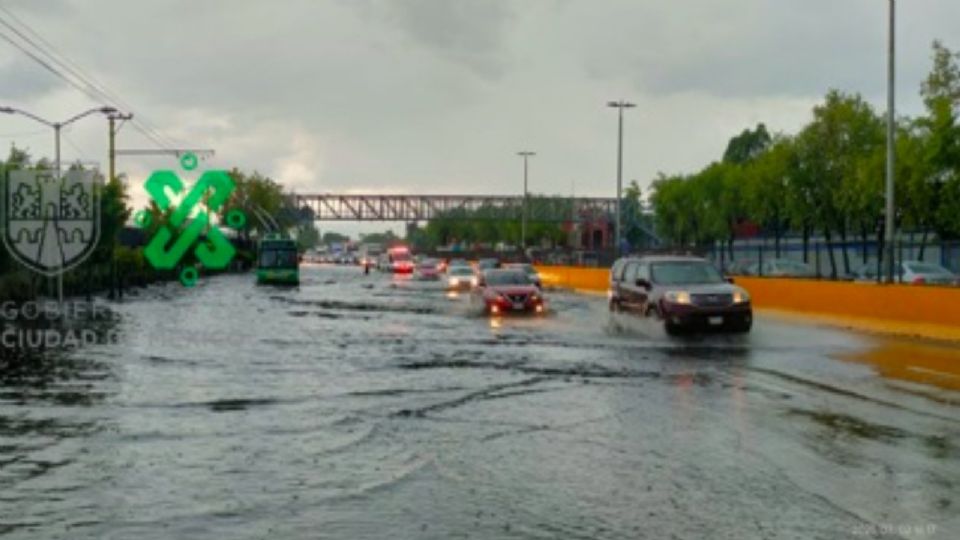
[851,259]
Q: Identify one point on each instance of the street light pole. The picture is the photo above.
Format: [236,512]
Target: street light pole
[525,154]
[891,147]
[620,106]
[57,126]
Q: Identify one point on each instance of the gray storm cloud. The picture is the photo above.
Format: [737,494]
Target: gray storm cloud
[437,95]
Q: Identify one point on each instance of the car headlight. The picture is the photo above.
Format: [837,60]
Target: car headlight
[454,281]
[474,281]
[740,296]
[677,297]
[535,297]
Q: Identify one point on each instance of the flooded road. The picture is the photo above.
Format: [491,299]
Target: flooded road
[362,407]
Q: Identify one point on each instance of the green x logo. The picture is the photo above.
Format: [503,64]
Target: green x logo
[217,252]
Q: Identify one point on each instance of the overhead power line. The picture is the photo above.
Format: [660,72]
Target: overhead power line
[77,78]
[88,90]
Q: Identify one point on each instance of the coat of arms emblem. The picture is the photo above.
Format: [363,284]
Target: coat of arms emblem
[51,225]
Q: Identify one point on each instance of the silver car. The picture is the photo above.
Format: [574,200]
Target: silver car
[926,273]
[781,268]
[915,272]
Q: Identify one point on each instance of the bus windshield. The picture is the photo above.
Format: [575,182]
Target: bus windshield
[278,258]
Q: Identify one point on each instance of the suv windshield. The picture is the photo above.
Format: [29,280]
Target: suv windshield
[507,277]
[684,273]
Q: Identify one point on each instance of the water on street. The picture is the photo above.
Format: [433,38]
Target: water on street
[371,407]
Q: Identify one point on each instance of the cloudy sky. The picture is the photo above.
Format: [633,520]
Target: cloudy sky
[437,96]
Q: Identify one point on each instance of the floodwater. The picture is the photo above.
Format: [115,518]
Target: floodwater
[366,407]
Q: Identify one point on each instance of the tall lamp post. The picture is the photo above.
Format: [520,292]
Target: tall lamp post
[889,225]
[525,154]
[620,106]
[57,126]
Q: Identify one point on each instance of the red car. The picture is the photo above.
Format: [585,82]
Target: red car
[428,269]
[508,291]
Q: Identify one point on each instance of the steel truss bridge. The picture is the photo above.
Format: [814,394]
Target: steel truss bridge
[412,208]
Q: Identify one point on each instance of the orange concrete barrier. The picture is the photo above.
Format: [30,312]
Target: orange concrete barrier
[574,277]
[925,311]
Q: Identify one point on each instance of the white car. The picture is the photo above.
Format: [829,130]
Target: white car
[926,273]
[781,268]
[461,278]
[915,272]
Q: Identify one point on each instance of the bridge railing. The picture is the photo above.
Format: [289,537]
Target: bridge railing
[411,208]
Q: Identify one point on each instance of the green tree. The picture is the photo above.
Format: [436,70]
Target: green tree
[308,237]
[748,145]
[845,130]
[636,227]
[940,135]
[268,207]
[765,187]
[330,237]
[385,238]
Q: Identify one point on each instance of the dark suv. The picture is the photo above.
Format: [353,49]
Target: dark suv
[683,292]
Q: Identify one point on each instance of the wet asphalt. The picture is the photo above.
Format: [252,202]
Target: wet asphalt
[371,407]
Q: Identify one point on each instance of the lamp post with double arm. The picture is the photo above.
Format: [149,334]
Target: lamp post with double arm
[57,127]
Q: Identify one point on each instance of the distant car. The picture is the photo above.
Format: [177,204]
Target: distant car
[682,292]
[428,269]
[461,277]
[926,273]
[781,268]
[527,269]
[488,264]
[739,268]
[311,256]
[508,291]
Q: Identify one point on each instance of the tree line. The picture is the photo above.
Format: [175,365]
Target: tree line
[491,225]
[828,178]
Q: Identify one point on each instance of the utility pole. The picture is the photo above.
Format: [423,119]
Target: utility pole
[891,148]
[525,154]
[620,106]
[113,140]
[116,291]
[56,135]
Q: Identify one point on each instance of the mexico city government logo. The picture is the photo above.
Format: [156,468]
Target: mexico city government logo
[51,223]
[189,223]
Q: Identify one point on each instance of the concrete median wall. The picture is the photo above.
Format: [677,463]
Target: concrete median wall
[575,277]
[923,311]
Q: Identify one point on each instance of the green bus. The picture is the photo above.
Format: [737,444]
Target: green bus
[278,262]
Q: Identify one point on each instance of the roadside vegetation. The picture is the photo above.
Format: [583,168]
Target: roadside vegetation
[489,225]
[828,178]
[117,262]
